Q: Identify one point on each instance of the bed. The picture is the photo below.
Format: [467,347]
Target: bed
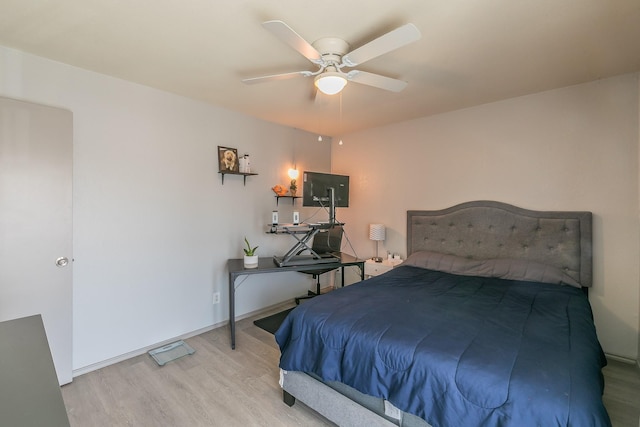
[487,323]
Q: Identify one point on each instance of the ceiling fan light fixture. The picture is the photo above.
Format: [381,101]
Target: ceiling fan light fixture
[330,82]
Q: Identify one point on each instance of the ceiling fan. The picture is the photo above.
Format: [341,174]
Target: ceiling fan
[332,56]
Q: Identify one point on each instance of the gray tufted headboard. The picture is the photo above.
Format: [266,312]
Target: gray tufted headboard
[487,229]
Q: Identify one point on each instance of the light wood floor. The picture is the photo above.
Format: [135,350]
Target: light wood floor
[218,386]
[622,393]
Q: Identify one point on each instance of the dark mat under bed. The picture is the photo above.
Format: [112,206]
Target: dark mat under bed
[273,322]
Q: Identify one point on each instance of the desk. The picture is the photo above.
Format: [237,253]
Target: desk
[29,390]
[267,265]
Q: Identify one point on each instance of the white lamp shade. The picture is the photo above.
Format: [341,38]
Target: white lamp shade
[330,82]
[377,231]
[293,173]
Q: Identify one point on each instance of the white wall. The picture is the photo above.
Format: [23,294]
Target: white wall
[153,226]
[569,149]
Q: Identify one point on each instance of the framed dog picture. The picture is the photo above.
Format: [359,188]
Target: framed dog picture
[228,159]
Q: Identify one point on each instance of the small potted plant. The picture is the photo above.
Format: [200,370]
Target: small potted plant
[293,188]
[250,257]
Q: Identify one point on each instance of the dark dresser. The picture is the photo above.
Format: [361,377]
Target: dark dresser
[29,390]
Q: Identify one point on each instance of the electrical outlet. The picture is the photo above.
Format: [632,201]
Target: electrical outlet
[216,297]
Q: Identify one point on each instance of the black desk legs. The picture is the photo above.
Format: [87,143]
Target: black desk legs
[232,309]
[342,273]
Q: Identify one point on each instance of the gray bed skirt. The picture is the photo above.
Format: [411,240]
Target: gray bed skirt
[342,404]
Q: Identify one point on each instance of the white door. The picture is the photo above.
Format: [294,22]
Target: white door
[35,221]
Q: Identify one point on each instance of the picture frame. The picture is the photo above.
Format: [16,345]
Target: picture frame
[228,159]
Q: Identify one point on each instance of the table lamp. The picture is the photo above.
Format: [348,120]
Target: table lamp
[377,233]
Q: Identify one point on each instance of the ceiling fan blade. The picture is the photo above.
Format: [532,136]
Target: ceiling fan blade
[286,34]
[275,77]
[376,80]
[393,40]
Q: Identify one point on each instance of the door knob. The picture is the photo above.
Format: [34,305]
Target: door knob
[62,261]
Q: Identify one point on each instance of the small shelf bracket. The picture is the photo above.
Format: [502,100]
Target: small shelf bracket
[293,199]
[244,175]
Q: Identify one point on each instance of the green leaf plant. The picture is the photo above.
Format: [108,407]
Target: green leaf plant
[249,251]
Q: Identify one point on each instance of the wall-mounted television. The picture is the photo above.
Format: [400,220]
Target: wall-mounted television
[327,190]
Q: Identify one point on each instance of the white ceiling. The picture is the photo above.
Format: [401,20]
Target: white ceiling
[471,52]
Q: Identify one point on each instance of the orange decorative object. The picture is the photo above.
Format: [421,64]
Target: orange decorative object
[279,190]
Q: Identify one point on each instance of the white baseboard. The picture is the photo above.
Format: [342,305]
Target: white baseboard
[123,357]
[138,352]
[623,359]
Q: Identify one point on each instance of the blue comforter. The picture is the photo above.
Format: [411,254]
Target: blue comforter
[456,350]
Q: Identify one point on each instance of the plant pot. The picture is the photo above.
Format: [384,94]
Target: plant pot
[250,261]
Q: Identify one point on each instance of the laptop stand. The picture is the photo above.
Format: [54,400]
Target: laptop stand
[307,232]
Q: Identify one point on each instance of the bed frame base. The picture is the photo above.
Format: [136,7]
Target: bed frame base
[328,402]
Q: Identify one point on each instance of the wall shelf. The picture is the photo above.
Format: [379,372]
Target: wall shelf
[293,199]
[243,174]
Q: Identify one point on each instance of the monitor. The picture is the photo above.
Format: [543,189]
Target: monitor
[316,189]
[327,190]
